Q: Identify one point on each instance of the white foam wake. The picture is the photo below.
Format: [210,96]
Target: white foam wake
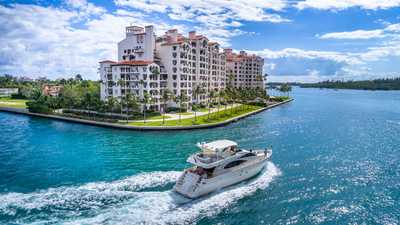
[170,208]
[76,201]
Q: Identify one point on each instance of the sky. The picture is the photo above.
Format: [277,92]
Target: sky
[303,41]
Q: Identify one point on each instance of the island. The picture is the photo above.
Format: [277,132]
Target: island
[377,84]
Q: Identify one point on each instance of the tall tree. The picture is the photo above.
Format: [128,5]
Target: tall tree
[211,96]
[145,101]
[131,104]
[166,96]
[196,93]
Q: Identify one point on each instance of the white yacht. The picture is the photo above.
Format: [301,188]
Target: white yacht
[219,164]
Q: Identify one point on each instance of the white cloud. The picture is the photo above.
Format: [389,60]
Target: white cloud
[218,19]
[393,27]
[307,54]
[363,34]
[40,40]
[357,34]
[345,4]
[85,7]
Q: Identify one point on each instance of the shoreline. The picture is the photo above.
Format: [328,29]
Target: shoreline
[139,128]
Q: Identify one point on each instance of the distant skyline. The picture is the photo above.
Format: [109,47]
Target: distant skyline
[308,40]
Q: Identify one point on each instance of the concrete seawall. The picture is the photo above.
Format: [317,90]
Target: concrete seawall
[143,128]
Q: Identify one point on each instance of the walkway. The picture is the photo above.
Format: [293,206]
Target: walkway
[175,116]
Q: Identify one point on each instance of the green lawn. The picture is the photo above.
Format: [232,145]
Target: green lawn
[156,117]
[214,117]
[186,113]
[12,103]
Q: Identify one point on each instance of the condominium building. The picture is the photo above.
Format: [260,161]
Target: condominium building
[136,72]
[148,65]
[244,70]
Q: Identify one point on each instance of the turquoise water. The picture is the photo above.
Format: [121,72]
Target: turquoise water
[336,161]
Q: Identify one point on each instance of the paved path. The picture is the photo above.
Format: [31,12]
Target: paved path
[175,116]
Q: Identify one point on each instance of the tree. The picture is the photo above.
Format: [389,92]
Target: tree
[179,100]
[111,104]
[131,104]
[166,96]
[285,88]
[231,78]
[145,100]
[196,92]
[224,95]
[78,77]
[211,96]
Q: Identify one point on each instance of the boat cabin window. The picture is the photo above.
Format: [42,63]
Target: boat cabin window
[248,155]
[234,163]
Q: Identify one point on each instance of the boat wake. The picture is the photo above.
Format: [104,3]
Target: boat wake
[124,201]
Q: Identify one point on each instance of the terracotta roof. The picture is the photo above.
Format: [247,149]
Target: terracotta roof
[198,37]
[173,43]
[133,63]
[107,61]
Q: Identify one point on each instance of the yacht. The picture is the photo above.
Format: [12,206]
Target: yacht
[219,164]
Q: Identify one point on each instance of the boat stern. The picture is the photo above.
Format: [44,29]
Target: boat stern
[187,184]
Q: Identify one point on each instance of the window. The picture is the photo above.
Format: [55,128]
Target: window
[234,163]
[248,155]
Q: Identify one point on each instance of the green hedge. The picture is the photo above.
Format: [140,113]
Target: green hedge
[37,107]
[175,109]
[280,98]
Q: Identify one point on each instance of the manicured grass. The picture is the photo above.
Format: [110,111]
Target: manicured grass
[203,110]
[156,117]
[186,113]
[12,103]
[213,118]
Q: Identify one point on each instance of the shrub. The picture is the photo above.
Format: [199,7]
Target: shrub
[38,107]
[175,109]
[262,104]
[280,98]
[18,96]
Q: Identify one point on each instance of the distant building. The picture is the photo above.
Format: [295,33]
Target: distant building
[244,70]
[51,90]
[7,92]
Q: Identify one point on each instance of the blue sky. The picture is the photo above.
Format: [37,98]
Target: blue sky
[305,40]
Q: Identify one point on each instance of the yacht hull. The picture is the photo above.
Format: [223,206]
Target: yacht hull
[193,186]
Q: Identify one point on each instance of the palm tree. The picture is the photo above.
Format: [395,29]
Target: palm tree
[234,97]
[231,77]
[179,99]
[111,102]
[196,92]
[211,96]
[224,95]
[121,83]
[131,103]
[166,96]
[219,95]
[146,100]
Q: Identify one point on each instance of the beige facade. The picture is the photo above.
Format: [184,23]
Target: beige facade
[244,70]
[173,61]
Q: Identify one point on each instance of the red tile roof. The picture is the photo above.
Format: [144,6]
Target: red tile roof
[133,63]
[107,61]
